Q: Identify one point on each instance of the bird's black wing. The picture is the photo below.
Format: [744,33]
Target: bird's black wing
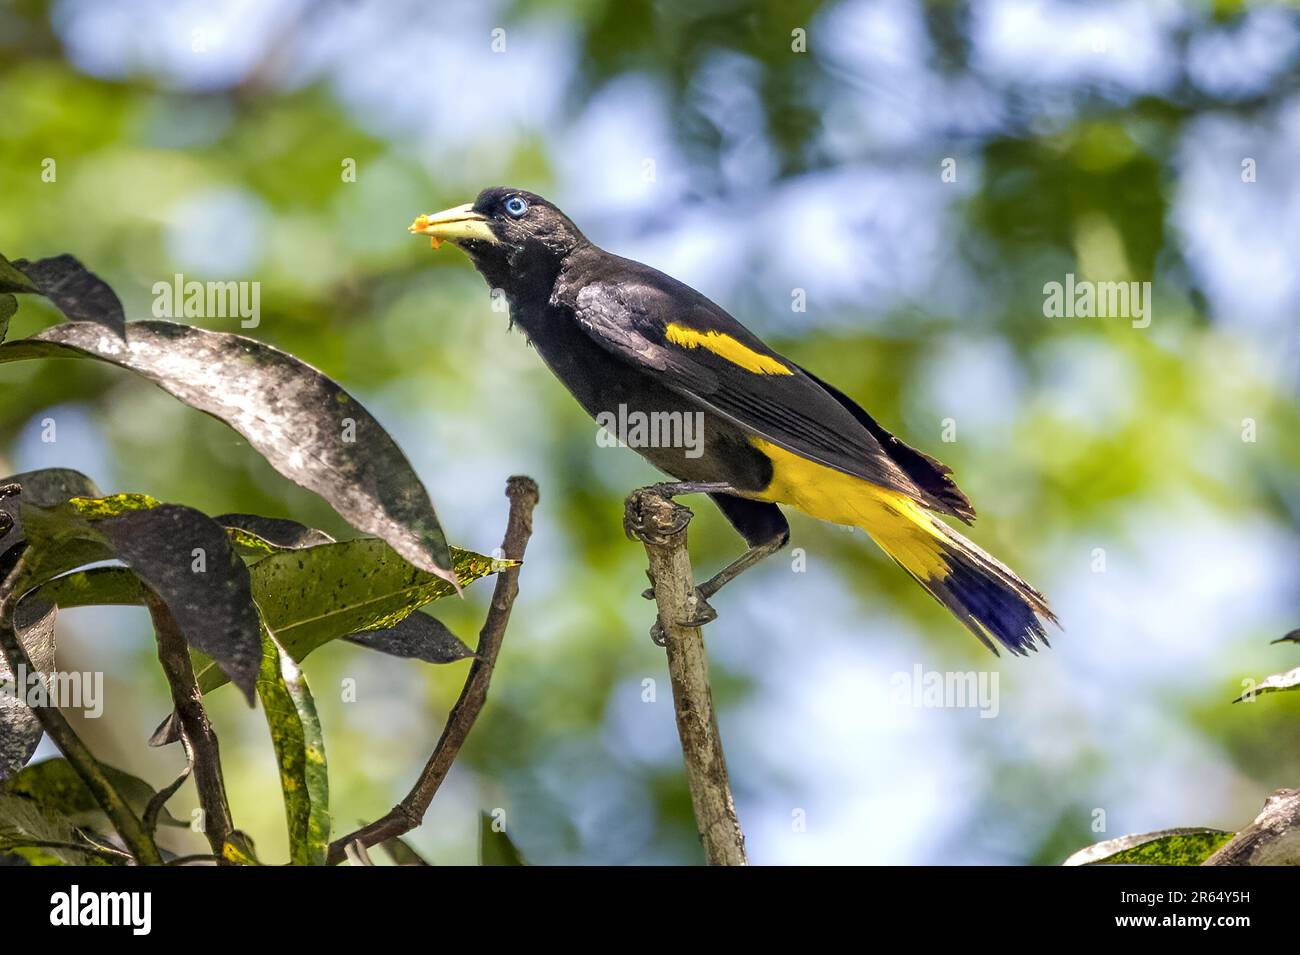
[629,309]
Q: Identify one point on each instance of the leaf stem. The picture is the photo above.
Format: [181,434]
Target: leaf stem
[197,735]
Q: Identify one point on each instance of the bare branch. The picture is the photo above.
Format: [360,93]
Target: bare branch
[409,813]
[660,524]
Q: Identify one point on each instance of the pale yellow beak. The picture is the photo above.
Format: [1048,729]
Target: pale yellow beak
[452,225]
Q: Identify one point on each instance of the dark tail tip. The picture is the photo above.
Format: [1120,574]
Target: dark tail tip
[992,601]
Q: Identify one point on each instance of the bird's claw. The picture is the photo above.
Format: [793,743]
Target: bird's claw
[698,613]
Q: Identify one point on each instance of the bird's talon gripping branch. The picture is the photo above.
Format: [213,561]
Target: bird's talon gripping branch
[700,612]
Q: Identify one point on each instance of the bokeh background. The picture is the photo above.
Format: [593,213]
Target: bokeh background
[1103,139]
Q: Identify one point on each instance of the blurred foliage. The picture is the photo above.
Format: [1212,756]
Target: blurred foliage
[1073,435]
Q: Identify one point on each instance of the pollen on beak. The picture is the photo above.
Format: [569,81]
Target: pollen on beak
[419,226]
[459,224]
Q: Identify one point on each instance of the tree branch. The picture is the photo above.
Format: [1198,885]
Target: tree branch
[409,813]
[1272,839]
[197,735]
[660,524]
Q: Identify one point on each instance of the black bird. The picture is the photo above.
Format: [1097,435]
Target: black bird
[623,337]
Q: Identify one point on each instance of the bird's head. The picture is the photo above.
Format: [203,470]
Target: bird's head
[511,235]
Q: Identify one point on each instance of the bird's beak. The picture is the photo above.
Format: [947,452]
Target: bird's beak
[453,225]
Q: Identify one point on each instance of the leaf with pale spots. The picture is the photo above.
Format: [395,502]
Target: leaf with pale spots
[1290,680]
[293,415]
[311,596]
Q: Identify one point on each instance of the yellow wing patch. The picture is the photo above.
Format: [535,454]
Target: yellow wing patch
[895,521]
[724,346]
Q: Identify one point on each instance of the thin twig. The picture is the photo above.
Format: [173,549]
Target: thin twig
[197,735]
[409,813]
[138,842]
[660,524]
[116,856]
[158,801]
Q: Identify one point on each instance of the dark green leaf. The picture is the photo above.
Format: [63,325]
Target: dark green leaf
[78,293]
[50,486]
[279,532]
[418,637]
[20,731]
[46,487]
[496,848]
[186,559]
[182,555]
[1190,846]
[297,418]
[1293,637]
[300,750]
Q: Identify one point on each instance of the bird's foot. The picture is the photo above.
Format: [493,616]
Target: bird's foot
[698,613]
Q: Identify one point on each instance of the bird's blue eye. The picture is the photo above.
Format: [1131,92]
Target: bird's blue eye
[516,206]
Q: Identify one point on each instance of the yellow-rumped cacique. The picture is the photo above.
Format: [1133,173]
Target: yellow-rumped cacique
[623,336]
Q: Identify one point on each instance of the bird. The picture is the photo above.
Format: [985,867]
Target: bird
[623,337]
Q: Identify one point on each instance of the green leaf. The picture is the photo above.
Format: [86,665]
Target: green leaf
[8,305]
[96,587]
[306,426]
[13,280]
[81,295]
[57,789]
[1291,637]
[496,848]
[400,851]
[300,750]
[311,596]
[1190,846]
[1290,680]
